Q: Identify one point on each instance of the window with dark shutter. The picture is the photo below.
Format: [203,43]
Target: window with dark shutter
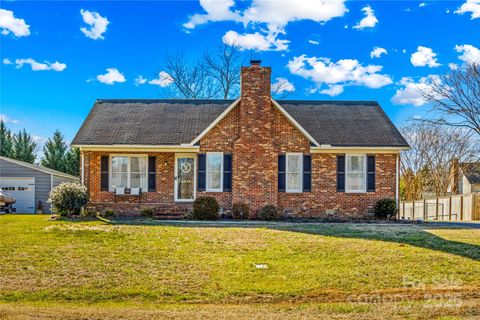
[307,173]
[202,172]
[370,173]
[281,173]
[341,173]
[104,173]
[227,172]
[152,174]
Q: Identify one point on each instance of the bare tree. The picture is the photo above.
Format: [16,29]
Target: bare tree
[188,80]
[426,166]
[456,97]
[223,65]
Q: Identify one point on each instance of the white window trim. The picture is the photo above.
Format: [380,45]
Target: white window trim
[110,187]
[286,172]
[208,189]
[364,190]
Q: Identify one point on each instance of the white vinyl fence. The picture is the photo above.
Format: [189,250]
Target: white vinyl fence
[449,208]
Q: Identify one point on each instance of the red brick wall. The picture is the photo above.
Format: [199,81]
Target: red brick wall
[162,199]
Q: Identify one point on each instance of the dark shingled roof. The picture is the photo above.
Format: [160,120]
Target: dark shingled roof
[148,121]
[345,123]
[177,121]
[471,170]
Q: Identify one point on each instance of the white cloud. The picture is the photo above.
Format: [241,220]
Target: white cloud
[6,61]
[10,24]
[41,66]
[97,23]
[369,21]
[472,6]
[411,92]
[423,4]
[163,80]
[6,119]
[453,66]
[282,85]
[344,72]
[256,41]
[269,12]
[140,80]
[424,57]
[313,42]
[112,76]
[404,50]
[270,16]
[377,52]
[333,90]
[470,54]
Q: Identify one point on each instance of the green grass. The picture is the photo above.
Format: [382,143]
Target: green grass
[57,265]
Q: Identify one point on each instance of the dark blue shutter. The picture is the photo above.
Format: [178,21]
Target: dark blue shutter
[202,172]
[151,174]
[341,173]
[227,172]
[370,173]
[281,173]
[104,173]
[307,173]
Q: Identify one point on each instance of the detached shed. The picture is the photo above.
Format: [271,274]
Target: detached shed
[30,184]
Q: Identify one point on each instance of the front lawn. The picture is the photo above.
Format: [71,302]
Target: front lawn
[161,269]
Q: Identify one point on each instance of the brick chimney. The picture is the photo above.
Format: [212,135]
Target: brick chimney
[255,160]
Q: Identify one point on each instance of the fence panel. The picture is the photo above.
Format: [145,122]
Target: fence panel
[450,208]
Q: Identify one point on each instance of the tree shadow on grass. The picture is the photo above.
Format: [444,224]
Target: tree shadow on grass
[417,235]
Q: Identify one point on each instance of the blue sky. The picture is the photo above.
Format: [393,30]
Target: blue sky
[51,70]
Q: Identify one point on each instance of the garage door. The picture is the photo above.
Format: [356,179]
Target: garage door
[23,189]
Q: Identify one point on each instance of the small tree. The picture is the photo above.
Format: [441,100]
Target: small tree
[54,152]
[24,147]
[72,162]
[68,199]
[6,141]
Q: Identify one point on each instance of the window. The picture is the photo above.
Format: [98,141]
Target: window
[214,171]
[355,178]
[294,167]
[129,172]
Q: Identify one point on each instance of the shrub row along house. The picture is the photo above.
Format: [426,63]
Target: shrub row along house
[305,157]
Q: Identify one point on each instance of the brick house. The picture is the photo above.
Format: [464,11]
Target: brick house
[306,157]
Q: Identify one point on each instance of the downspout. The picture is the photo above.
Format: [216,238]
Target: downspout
[397,181]
[83,170]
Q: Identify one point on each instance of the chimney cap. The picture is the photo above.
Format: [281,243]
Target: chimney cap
[255,62]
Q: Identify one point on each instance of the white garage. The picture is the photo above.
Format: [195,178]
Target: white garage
[30,184]
[23,190]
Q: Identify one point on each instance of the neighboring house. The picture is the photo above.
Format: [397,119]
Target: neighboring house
[465,177]
[306,157]
[30,184]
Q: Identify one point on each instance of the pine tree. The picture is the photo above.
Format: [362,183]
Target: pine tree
[54,152]
[72,162]
[6,141]
[24,147]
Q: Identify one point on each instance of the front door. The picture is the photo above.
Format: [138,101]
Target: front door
[185,177]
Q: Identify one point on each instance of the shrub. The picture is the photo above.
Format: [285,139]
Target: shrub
[109,213]
[268,212]
[240,210]
[147,212]
[68,198]
[205,208]
[385,208]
